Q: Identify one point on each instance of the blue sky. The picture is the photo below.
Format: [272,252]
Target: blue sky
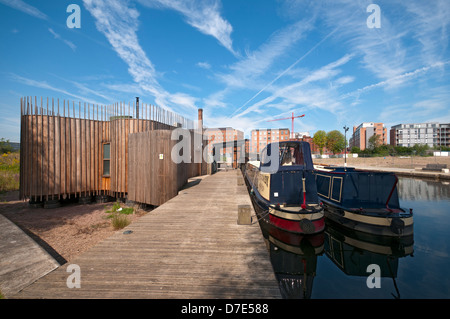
[243,61]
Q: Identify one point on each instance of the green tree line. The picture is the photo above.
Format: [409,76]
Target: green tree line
[376,148]
[334,141]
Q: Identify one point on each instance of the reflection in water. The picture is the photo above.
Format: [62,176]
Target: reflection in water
[352,251]
[423,189]
[294,257]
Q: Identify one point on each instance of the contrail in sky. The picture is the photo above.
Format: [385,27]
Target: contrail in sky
[285,71]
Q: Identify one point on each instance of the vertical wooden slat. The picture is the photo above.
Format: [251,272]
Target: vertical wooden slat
[21,179]
[37,158]
[57,173]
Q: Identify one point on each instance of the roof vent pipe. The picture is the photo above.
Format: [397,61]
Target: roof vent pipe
[137,107]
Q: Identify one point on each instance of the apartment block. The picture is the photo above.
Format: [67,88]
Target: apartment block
[221,135]
[261,137]
[363,132]
[431,134]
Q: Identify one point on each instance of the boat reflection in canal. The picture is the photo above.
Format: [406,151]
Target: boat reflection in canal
[353,251]
[294,257]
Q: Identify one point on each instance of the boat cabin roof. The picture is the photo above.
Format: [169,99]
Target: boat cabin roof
[287,155]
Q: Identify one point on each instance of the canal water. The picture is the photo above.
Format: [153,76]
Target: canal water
[334,264]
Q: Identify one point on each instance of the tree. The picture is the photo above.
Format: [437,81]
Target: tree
[5,146]
[374,142]
[355,149]
[320,139]
[335,141]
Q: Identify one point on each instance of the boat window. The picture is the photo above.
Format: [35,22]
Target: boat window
[291,155]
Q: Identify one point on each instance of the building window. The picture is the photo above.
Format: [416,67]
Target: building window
[106,159]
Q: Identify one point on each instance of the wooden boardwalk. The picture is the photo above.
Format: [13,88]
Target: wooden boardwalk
[190,247]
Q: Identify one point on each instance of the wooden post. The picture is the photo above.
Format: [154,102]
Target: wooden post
[244,215]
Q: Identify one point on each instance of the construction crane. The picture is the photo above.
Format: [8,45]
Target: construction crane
[289,118]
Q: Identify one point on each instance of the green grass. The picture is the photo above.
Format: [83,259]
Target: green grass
[118,215]
[119,221]
[9,172]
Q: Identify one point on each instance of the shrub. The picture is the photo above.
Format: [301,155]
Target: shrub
[119,221]
[118,215]
[9,172]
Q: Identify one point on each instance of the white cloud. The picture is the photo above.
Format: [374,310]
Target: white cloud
[184,100]
[396,80]
[26,8]
[344,80]
[119,23]
[45,85]
[216,100]
[255,64]
[430,101]
[303,92]
[204,65]
[429,25]
[203,15]
[67,42]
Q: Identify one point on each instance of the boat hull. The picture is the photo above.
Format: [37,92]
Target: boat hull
[301,222]
[394,224]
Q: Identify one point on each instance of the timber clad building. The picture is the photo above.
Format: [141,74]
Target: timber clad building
[72,150]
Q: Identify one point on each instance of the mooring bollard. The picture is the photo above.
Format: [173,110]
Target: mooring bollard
[244,215]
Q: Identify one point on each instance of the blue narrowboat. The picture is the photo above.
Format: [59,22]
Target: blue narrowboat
[363,200]
[283,189]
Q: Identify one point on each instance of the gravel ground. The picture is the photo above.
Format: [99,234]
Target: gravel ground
[65,232]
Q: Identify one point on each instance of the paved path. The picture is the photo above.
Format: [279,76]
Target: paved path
[22,260]
[190,247]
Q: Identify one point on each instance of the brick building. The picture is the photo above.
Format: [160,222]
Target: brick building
[222,135]
[363,132]
[261,137]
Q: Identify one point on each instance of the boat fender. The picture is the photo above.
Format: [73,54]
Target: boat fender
[397,226]
[307,226]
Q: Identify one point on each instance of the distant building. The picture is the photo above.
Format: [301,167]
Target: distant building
[222,135]
[261,137]
[431,134]
[301,134]
[306,137]
[363,132]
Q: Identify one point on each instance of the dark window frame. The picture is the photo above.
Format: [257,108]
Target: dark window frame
[106,160]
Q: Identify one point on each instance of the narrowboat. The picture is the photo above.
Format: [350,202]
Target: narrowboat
[363,200]
[283,189]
